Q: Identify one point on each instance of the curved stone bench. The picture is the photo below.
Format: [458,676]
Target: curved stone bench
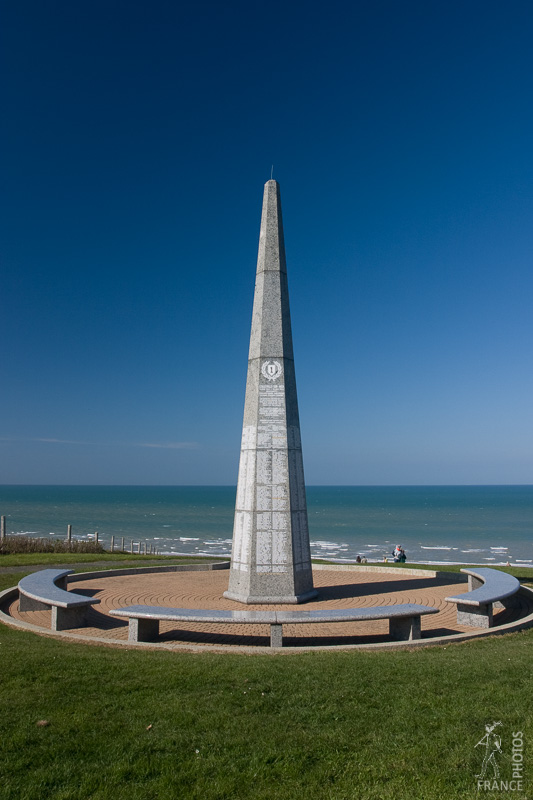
[47,589]
[486,587]
[404,620]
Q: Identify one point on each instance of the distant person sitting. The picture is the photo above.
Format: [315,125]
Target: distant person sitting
[358,560]
[399,554]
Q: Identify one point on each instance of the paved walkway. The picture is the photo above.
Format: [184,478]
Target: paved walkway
[337,589]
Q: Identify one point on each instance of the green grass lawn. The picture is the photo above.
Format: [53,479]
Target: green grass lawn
[44,559]
[339,725]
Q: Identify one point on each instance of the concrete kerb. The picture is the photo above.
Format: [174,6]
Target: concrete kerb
[104,573]
[8,595]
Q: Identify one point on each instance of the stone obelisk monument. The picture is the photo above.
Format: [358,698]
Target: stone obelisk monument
[271,558]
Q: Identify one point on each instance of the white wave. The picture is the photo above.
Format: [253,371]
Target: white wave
[189,539]
[499,548]
[427,547]
[324,544]
[473,550]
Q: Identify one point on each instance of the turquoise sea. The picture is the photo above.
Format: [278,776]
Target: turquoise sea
[439,524]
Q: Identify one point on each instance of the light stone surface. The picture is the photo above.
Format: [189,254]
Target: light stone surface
[276,636]
[271,557]
[64,619]
[475,617]
[488,588]
[405,629]
[144,620]
[47,589]
[486,585]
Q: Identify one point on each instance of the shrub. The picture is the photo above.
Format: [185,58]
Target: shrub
[12,545]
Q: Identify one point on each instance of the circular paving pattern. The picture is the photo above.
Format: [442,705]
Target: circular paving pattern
[338,588]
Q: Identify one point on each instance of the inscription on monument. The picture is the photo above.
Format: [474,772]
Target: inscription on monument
[271,428]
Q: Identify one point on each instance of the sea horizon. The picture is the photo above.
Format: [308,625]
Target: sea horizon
[308,485]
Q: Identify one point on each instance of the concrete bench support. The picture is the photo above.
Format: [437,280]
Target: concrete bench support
[143,630]
[63,619]
[29,604]
[405,628]
[276,635]
[475,616]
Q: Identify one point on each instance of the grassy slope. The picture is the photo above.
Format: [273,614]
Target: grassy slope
[319,725]
[339,725]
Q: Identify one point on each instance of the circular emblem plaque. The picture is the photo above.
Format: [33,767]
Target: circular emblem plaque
[271,370]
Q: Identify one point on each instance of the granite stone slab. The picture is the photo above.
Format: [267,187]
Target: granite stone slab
[195,614]
[492,585]
[353,614]
[487,588]
[48,588]
[271,617]
[404,620]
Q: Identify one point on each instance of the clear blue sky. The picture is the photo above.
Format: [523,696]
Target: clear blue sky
[136,139]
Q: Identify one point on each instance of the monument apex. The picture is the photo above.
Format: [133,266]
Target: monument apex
[271,557]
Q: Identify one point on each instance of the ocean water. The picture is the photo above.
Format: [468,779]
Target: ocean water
[442,524]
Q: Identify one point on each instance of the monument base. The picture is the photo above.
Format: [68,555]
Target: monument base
[249,599]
